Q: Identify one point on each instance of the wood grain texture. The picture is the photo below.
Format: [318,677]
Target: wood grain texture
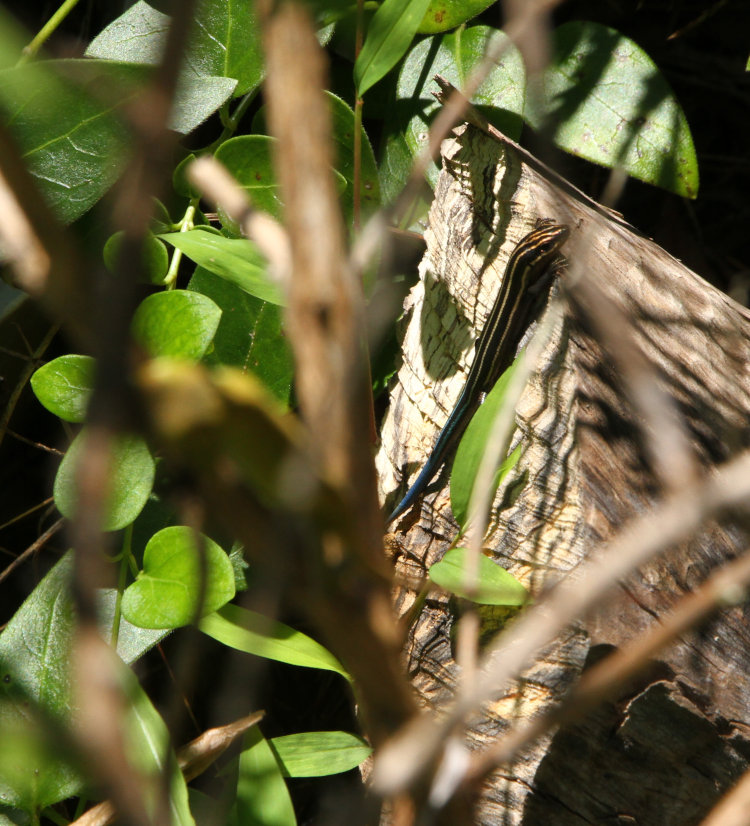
[665,751]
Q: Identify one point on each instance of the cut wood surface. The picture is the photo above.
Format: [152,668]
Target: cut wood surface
[673,743]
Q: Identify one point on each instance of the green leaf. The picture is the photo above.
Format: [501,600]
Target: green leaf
[609,103]
[388,37]
[343,138]
[136,36]
[255,634]
[130,481]
[250,334]
[500,97]
[74,143]
[442,15]
[262,797]
[132,640]
[225,41]
[176,574]
[64,386]
[32,767]
[155,256]
[35,670]
[249,159]
[196,99]
[177,323]
[64,116]
[180,183]
[495,585]
[148,750]
[319,753]
[473,446]
[235,259]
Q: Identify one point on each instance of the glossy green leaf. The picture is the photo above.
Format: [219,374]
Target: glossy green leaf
[132,640]
[255,634]
[130,481]
[64,117]
[500,97]
[610,104]
[473,446]
[224,42]
[442,15]
[176,323]
[32,767]
[73,143]
[262,797]
[180,182]
[235,259]
[495,585]
[319,753]
[250,334]
[342,116]
[395,169]
[249,159]
[136,36]
[35,669]
[155,257]
[161,220]
[147,746]
[64,386]
[178,577]
[388,37]
[196,99]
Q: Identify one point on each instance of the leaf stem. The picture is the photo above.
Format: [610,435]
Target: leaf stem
[233,121]
[186,224]
[46,31]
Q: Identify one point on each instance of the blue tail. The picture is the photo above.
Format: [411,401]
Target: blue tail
[450,433]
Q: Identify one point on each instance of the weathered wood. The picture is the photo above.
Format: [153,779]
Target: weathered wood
[665,752]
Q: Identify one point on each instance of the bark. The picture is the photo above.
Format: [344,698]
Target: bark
[670,745]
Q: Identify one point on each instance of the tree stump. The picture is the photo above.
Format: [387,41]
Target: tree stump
[670,745]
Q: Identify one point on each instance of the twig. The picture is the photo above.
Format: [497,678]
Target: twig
[38,543]
[349,586]
[23,379]
[115,407]
[733,808]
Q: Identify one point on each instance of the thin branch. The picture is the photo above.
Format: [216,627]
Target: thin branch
[38,543]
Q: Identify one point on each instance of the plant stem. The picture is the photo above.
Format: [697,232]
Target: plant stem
[186,224]
[46,31]
[23,379]
[232,122]
[358,103]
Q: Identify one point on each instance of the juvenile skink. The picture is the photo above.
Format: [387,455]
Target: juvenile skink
[528,270]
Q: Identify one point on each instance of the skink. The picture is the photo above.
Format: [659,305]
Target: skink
[528,270]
